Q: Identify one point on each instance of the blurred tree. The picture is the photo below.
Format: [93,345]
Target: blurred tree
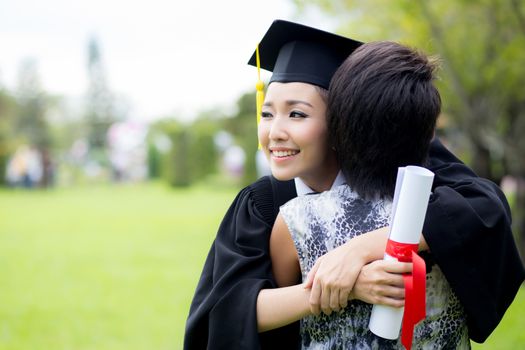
[203,153]
[31,125]
[173,158]
[154,159]
[182,154]
[100,112]
[8,108]
[482,48]
[31,121]
[243,126]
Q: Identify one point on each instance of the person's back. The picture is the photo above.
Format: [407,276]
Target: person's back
[320,223]
[382,112]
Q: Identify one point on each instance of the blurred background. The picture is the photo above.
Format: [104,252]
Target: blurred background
[127,128]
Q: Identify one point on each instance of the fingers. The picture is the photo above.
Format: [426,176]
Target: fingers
[311,275]
[344,295]
[381,294]
[315,296]
[325,300]
[394,266]
[334,300]
[392,292]
[396,281]
[390,301]
[386,271]
[391,296]
[381,282]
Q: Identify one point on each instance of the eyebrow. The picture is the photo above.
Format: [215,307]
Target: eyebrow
[291,103]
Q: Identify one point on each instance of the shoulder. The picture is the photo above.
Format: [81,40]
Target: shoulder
[329,205]
[267,194]
[310,206]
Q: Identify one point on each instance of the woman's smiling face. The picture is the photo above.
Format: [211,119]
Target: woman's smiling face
[294,136]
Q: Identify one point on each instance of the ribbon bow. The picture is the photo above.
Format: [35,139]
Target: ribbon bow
[415,287]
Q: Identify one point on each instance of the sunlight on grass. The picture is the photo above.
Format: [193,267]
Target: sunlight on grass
[116,267]
[509,334]
[102,268]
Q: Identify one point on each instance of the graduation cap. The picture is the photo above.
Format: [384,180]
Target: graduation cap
[298,53]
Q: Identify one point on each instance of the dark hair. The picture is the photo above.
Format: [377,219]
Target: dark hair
[382,111]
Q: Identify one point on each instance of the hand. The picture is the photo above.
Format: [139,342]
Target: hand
[333,275]
[381,282]
[332,278]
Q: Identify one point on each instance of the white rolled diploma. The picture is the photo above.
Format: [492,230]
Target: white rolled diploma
[413,187]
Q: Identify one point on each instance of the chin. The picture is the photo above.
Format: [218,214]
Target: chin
[283,176]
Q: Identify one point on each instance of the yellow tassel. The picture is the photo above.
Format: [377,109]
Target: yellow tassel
[259,96]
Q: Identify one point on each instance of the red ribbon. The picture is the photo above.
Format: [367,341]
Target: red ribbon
[415,286]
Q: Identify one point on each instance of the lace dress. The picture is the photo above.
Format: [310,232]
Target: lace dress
[319,223]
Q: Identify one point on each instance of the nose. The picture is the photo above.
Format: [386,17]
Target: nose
[278,130]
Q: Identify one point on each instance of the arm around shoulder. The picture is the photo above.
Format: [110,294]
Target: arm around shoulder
[468,230]
[281,306]
[237,268]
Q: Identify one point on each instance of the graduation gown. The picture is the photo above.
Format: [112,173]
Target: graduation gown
[467,228]
[223,311]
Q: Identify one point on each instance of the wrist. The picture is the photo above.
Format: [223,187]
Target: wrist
[371,246]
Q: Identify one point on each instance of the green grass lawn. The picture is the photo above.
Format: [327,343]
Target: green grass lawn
[102,268]
[115,267]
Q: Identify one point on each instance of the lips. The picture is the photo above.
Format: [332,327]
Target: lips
[283,153]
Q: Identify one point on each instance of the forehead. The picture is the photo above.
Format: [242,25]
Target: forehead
[283,92]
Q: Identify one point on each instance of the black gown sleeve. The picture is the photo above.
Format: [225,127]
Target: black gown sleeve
[223,311]
[468,231]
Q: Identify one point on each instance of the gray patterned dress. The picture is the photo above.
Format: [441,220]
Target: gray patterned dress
[319,223]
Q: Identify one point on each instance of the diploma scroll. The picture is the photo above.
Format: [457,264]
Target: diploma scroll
[413,187]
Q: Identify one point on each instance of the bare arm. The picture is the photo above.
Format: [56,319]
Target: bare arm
[285,262]
[333,276]
[381,282]
[376,283]
[281,306]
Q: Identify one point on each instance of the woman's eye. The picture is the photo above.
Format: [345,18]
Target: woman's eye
[296,114]
[266,115]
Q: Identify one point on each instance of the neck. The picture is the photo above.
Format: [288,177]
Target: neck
[324,183]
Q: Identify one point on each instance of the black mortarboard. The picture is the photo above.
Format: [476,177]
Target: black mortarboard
[298,53]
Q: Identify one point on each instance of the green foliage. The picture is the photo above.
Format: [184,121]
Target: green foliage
[481,45]
[243,125]
[31,123]
[175,163]
[23,118]
[154,160]
[7,116]
[190,153]
[100,110]
[202,152]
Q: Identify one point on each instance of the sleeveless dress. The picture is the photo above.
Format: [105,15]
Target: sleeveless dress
[321,222]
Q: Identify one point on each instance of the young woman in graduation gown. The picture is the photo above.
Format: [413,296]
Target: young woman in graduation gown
[467,226]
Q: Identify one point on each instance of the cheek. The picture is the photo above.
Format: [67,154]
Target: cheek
[318,148]
[262,133]
[316,138]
